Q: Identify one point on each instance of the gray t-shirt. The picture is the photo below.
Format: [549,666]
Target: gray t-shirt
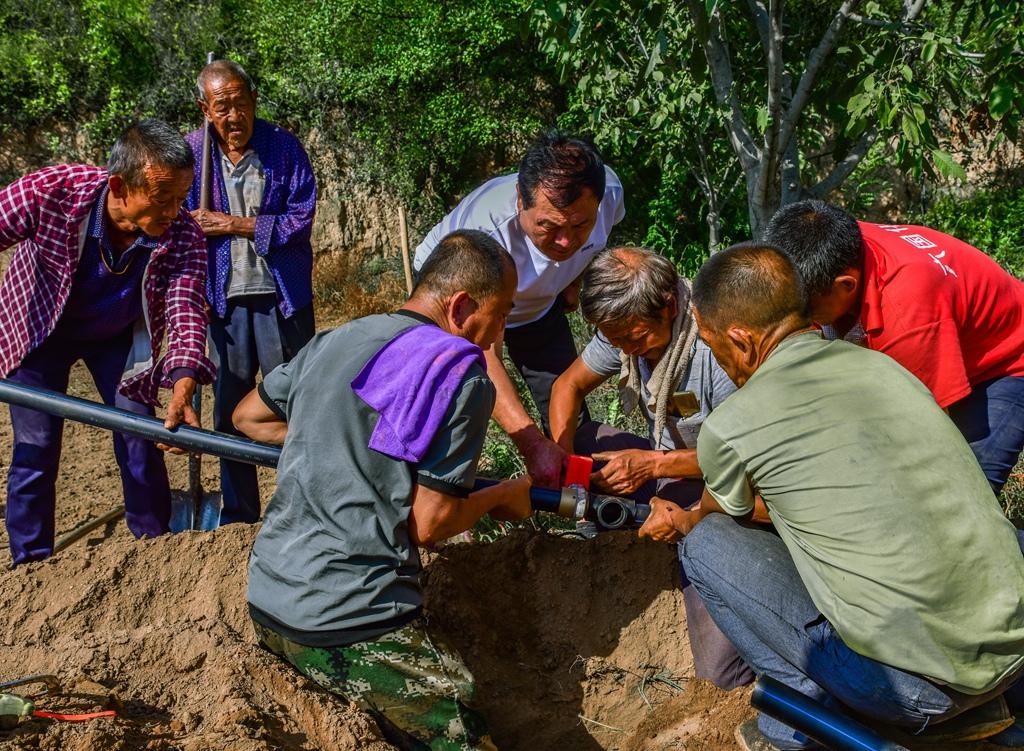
[333,563]
[704,377]
[244,183]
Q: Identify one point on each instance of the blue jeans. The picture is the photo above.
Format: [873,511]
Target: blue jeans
[252,337]
[32,477]
[753,591]
[991,418]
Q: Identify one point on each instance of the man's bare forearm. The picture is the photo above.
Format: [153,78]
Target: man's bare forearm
[244,226]
[509,411]
[679,463]
[435,516]
[564,412]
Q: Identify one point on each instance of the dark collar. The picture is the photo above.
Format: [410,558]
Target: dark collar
[415,316]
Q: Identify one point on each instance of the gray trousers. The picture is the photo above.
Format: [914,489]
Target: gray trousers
[714,657]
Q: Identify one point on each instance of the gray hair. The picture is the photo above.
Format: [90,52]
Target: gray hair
[148,142]
[623,284]
[227,70]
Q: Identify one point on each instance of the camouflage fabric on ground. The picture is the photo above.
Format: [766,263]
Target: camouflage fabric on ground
[411,680]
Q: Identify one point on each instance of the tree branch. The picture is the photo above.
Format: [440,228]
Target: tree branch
[814,63]
[911,9]
[792,184]
[846,167]
[717,54]
[881,23]
[770,156]
[760,14]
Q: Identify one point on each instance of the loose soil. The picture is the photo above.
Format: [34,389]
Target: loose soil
[575,644]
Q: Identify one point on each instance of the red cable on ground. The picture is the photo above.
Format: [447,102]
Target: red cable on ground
[73,717]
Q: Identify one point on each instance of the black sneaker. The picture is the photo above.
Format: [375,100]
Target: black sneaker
[750,738]
[976,724]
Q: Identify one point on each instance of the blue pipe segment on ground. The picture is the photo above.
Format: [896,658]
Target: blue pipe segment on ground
[828,727]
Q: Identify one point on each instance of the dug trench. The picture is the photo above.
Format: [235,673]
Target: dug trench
[576,645]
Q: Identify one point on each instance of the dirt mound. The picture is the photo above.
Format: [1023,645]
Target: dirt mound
[160,627]
[573,644]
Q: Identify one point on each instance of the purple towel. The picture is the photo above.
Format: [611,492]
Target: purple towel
[411,382]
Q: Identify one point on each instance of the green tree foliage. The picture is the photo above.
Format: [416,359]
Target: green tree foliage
[429,86]
[100,62]
[432,92]
[774,101]
[989,220]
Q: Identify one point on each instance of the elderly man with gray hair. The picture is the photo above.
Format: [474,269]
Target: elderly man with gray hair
[646,336]
[258,228]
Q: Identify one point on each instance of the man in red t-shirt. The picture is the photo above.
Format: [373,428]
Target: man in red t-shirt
[944,310]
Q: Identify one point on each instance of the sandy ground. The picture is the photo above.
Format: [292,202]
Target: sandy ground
[577,645]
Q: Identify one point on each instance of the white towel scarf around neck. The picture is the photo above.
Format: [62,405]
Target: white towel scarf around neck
[667,373]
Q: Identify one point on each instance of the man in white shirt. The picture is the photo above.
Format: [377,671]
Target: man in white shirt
[552,216]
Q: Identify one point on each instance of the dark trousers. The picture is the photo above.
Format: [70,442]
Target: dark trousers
[542,351]
[32,478]
[991,418]
[714,657]
[253,336]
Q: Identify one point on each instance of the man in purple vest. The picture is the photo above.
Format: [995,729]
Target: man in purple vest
[260,279]
[107,265]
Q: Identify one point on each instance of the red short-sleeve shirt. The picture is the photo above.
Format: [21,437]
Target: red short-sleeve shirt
[944,310]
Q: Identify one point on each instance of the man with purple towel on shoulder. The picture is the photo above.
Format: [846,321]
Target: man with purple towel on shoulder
[107,265]
[382,422]
[260,279]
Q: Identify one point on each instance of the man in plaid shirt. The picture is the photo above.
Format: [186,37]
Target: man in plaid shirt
[107,264]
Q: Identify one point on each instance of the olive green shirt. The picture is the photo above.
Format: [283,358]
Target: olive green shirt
[879,499]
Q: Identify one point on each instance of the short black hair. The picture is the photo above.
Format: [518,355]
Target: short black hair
[148,142]
[468,260]
[751,284]
[227,70]
[563,167]
[822,240]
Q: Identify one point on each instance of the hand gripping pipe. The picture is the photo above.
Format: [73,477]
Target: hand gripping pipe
[572,502]
[828,727]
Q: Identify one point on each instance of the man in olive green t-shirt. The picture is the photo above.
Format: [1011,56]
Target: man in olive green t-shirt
[895,585]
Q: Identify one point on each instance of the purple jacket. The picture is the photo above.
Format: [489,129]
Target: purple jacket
[47,212]
[284,222]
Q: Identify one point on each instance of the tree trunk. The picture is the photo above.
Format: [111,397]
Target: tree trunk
[714,220]
[760,208]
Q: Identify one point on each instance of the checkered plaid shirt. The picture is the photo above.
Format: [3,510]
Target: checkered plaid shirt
[42,213]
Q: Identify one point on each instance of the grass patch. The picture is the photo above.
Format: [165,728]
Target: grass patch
[1012,496]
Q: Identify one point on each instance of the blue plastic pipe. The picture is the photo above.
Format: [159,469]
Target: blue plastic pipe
[185,437]
[828,727]
[143,426]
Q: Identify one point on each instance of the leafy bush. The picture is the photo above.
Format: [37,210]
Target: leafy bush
[433,92]
[989,220]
